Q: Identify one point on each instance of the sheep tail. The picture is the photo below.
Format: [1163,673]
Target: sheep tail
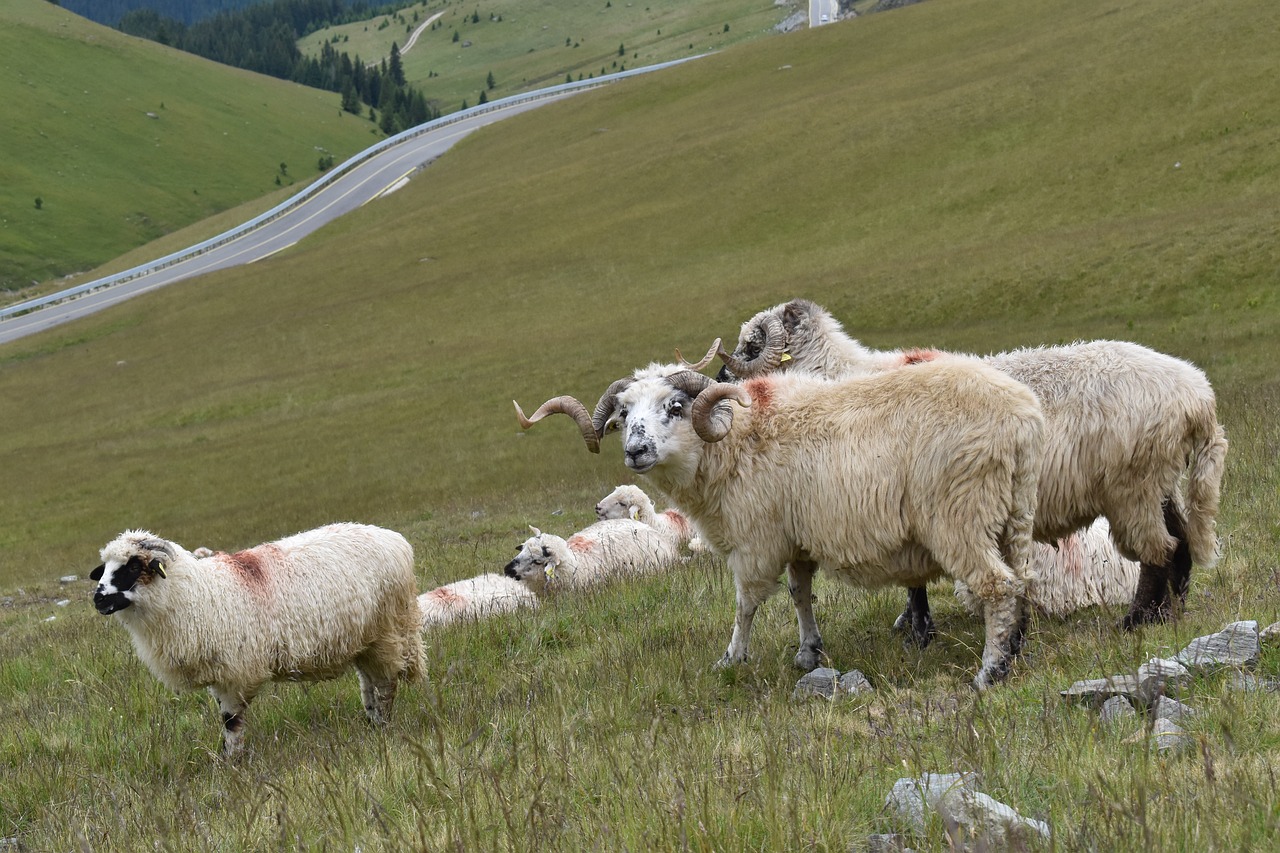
[1203,486]
[1016,541]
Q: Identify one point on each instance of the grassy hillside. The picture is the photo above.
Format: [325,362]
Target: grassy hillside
[526,44]
[124,141]
[977,174]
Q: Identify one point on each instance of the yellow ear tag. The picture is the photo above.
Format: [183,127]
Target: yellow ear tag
[786,356]
[550,571]
[160,570]
[635,513]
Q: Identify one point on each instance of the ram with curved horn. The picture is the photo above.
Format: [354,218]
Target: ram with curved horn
[935,471]
[1123,425]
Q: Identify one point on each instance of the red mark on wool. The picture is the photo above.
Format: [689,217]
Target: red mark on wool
[251,566]
[446,596]
[581,544]
[761,391]
[917,356]
[677,520]
[1071,555]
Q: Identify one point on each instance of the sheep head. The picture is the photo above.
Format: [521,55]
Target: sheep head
[668,417]
[130,564]
[536,560]
[762,348]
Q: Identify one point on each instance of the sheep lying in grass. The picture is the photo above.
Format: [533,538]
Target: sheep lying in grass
[604,551]
[889,479]
[628,501]
[304,608]
[473,598]
[1084,570]
[1122,425]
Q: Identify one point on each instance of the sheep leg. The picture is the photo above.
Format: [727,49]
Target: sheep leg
[749,597]
[1002,626]
[233,707]
[800,585]
[378,695]
[916,621]
[1179,565]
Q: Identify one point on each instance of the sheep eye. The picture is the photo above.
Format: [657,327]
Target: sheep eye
[546,552]
[751,351]
[675,410]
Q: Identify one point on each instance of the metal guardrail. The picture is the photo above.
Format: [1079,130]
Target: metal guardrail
[328,178]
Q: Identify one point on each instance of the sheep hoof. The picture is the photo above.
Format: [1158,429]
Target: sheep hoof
[809,659]
[727,662]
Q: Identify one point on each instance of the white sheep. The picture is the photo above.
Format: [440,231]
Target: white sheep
[601,552]
[1084,570]
[473,598]
[1123,423]
[304,608]
[890,479]
[630,501]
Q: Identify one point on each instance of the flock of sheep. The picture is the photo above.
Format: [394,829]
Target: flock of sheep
[1052,477]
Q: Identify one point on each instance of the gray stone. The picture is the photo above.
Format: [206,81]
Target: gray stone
[65,579]
[11,843]
[819,682]
[1270,635]
[852,683]
[1155,676]
[1169,736]
[1095,690]
[1115,709]
[1253,684]
[1235,645]
[953,796]
[64,602]
[1171,709]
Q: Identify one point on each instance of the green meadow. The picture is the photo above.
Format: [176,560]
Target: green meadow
[528,44]
[123,141]
[971,174]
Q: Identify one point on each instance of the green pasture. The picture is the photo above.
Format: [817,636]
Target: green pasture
[528,44]
[124,141]
[972,174]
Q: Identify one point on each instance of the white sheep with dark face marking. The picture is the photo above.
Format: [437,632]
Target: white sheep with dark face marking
[307,608]
[1123,423]
[889,479]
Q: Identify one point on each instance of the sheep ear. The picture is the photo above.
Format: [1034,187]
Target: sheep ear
[96,574]
[635,513]
[157,568]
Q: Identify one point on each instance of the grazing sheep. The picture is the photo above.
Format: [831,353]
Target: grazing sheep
[473,598]
[895,478]
[598,553]
[628,501]
[304,608]
[1122,425]
[1084,570]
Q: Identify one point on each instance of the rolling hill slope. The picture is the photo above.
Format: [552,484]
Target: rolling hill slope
[123,140]
[976,174]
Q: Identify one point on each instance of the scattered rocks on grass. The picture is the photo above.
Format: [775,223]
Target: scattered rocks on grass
[1151,680]
[1235,645]
[828,683]
[66,579]
[954,797]
[1167,736]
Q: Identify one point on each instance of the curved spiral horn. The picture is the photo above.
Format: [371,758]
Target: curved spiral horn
[706,359]
[608,402]
[771,351]
[564,405]
[712,421]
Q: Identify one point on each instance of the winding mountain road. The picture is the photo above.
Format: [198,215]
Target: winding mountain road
[377,175]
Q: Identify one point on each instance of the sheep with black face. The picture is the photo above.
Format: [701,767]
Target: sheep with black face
[304,608]
[890,479]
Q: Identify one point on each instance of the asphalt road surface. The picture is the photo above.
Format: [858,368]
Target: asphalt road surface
[380,174]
